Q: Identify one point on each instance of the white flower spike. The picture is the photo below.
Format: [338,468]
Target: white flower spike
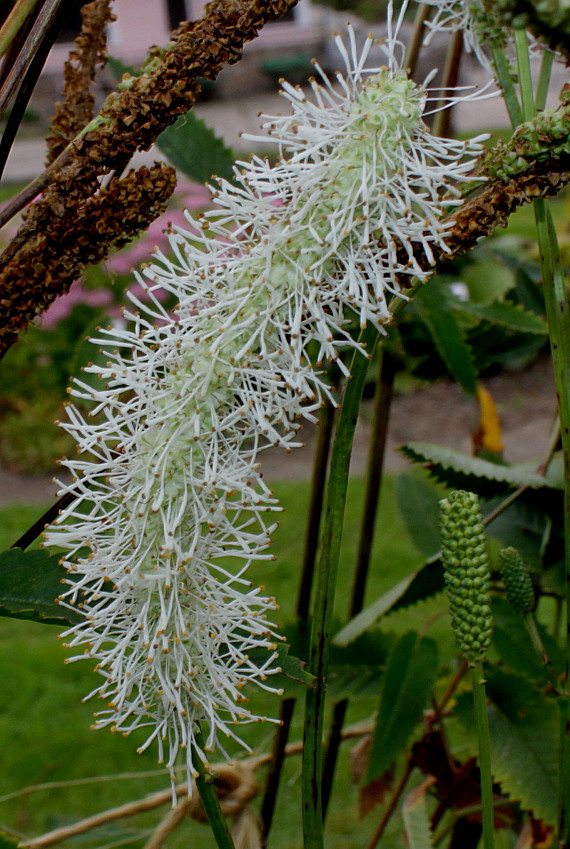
[171,506]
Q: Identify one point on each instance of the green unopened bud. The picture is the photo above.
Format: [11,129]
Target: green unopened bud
[466,565]
[517,581]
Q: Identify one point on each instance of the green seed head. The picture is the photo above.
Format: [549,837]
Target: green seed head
[517,581]
[466,574]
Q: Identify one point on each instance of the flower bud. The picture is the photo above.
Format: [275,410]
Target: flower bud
[517,581]
[466,574]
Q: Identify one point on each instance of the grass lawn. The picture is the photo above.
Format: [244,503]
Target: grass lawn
[44,726]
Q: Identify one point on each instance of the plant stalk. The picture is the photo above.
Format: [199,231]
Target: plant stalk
[206,788]
[377,450]
[320,463]
[325,592]
[482,723]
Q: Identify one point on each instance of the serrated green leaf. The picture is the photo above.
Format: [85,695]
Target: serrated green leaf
[406,689]
[514,646]
[30,582]
[513,316]
[433,305]
[196,150]
[422,583]
[524,526]
[523,726]
[418,502]
[461,471]
[416,818]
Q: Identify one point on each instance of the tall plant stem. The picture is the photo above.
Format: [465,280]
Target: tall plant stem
[14,22]
[442,120]
[503,70]
[557,306]
[206,788]
[318,481]
[423,14]
[482,724]
[325,592]
[377,450]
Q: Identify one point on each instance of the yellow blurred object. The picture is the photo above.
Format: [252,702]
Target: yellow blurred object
[489,436]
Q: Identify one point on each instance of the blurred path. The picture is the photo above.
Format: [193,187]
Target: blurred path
[440,413]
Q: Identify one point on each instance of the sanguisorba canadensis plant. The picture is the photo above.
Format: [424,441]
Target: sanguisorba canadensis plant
[168,483]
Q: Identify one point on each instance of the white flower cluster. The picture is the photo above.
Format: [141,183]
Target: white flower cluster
[171,506]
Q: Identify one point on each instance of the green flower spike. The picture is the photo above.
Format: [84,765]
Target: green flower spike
[466,573]
[517,581]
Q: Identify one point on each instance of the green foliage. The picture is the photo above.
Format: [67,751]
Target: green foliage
[406,690]
[434,309]
[523,725]
[196,150]
[30,582]
[418,502]
[514,646]
[460,471]
[416,819]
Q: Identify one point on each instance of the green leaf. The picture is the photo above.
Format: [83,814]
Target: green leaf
[422,583]
[416,817]
[487,280]
[292,668]
[433,305]
[515,648]
[355,671]
[406,689]
[523,725]
[7,842]
[30,582]
[418,502]
[513,316]
[460,471]
[196,150]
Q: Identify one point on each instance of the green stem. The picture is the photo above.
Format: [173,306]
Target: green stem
[325,592]
[14,23]
[532,630]
[376,454]
[320,464]
[503,70]
[205,783]
[544,78]
[557,306]
[525,78]
[482,723]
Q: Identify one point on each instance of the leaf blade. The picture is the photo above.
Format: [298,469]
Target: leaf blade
[406,689]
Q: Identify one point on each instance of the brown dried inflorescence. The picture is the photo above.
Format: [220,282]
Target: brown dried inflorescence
[53,256]
[75,110]
[48,251]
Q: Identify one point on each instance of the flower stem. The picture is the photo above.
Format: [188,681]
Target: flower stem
[507,86]
[559,330]
[482,724]
[544,78]
[557,306]
[325,592]
[206,788]
[14,23]
[376,454]
[320,464]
